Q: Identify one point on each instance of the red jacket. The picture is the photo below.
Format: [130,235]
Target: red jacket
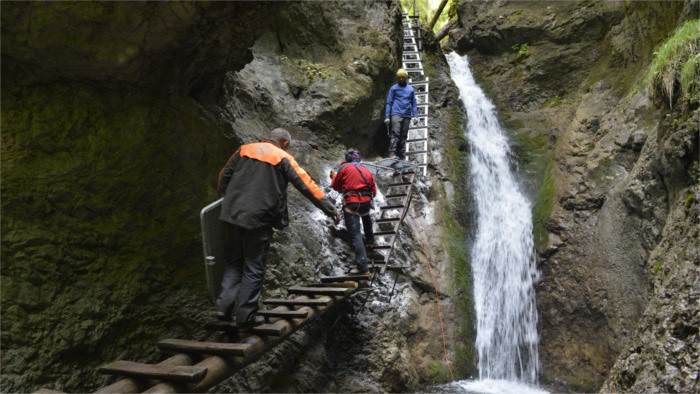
[349,179]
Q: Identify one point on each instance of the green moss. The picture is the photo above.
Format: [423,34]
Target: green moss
[543,209]
[677,62]
[523,50]
[438,372]
[689,200]
[310,71]
[455,221]
[658,266]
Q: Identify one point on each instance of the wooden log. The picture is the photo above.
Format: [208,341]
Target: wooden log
[436,16]
[274,329]
[319,290]
[213,348]
[335,284]
[334,279]
[130,385]
[169,373]
[221,368]
[298,301]
[284,314]
[445,30]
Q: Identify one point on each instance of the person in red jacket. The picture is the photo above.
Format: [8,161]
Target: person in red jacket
[254,184]
[356,184]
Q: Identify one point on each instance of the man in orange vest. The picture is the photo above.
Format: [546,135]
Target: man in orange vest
[358,188]
[254,182]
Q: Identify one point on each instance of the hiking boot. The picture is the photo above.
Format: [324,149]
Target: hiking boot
[247,325]
[369,246]
[222,316]
[356,271]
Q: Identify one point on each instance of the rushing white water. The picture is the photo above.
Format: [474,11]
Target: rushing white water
[502,258]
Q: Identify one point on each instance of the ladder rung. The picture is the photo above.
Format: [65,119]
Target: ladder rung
[213,348]
[381,247]
[384,233]
[400,184]
[294,302]
[334,279]
[169,373]
[417,140]
[271,329]
[396,195]
[329,291]
[345,284]
[391,207]
[386,220]
[284,314]
[416,152]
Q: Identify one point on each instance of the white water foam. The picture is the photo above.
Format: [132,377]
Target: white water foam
[502,258]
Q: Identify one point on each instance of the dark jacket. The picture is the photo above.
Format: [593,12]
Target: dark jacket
[401,101]
[254,182]
[348,179]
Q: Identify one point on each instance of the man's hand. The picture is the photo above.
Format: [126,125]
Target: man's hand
[336,218]
[414,121]
[332,174]
[387,121]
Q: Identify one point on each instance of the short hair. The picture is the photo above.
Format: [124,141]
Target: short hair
[279,134]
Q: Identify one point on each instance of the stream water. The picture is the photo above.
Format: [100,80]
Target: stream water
[502,256]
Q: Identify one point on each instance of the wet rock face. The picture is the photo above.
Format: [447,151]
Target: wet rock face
[157,47]
[597,156]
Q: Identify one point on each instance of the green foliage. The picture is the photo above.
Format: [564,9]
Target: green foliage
[677,64]
[427,8]
[553,101]
[522,49]
[312,71]
[438,372]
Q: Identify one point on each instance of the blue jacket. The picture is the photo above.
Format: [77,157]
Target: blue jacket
[401,101]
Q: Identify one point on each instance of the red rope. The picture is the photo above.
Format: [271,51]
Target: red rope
[444,345]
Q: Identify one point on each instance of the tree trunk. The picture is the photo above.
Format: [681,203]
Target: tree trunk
[433,21]
[446,29]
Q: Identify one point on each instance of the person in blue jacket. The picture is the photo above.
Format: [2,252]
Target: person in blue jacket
[401,108]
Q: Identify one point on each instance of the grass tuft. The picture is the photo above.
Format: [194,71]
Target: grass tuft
[674,70]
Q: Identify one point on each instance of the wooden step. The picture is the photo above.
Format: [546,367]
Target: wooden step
[169,373]
[345,284]
[265,329]
[295,302]
[345,278]
[284,314]
[391,207]
[329,291]
[213,348]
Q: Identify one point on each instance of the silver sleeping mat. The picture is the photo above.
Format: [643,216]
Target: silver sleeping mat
[213,243]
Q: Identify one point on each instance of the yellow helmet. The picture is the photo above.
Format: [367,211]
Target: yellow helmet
[402,73]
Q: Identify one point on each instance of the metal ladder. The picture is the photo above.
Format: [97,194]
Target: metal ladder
[412,58]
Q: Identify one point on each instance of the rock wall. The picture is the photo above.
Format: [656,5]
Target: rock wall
[116,119]
[613,176]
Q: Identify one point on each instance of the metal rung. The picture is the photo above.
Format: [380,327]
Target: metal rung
[391,207]
[384,233]
[417,152]
[387,220]
[168,373]
[382,247]
[396,195]
[400,184]
[417,140]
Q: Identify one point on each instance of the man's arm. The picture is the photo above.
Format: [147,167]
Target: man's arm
[306,186]
[414,104]
[389,103]
[227,172]
[337,183]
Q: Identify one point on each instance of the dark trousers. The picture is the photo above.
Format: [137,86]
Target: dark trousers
[352,223]
[245,272]
[399,133]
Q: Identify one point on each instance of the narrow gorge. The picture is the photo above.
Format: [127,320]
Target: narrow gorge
[557,225]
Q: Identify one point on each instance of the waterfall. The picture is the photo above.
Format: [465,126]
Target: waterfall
[502,258]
